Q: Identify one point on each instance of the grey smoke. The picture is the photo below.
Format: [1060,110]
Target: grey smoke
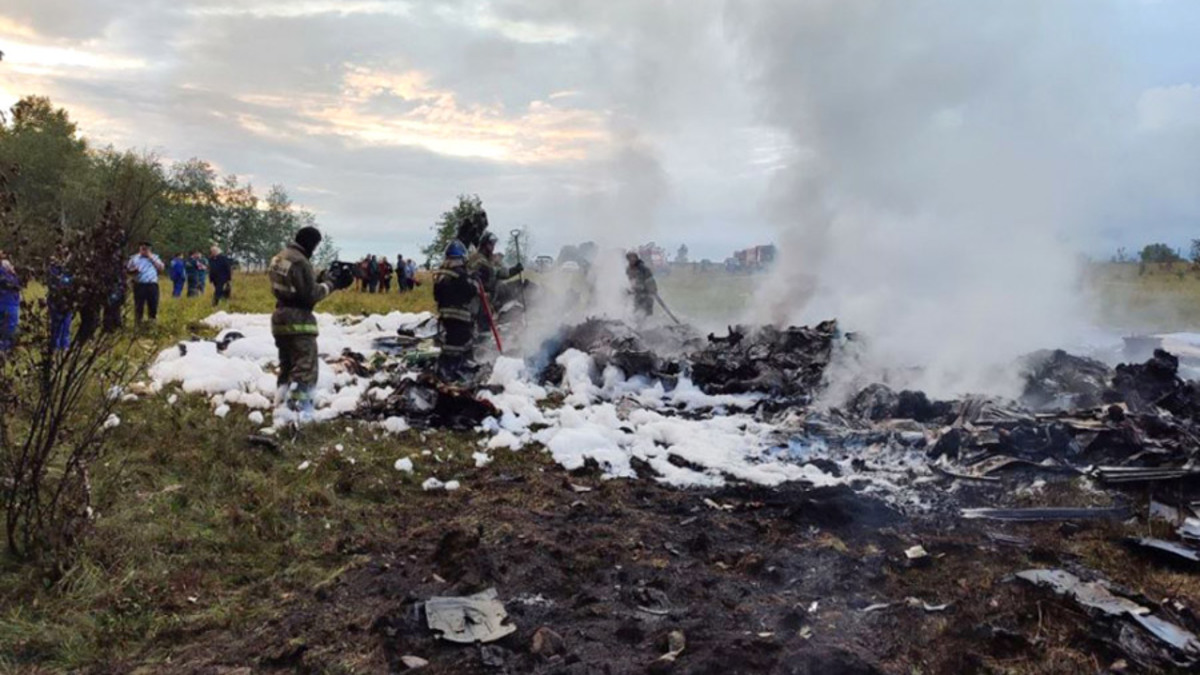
[948,160]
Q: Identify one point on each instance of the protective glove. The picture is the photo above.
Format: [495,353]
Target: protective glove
[516,269]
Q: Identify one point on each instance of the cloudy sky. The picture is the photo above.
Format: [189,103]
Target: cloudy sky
[631,120]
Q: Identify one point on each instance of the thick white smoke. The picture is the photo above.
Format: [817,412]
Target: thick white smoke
[945,154]
[945,162]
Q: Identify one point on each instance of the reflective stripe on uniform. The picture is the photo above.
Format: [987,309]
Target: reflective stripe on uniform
[455,314]
[455,349]
[294,329]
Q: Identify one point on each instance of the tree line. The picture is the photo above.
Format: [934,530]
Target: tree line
[517,243]
[61,182]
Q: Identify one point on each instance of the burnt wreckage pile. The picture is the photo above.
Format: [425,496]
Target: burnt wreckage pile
[1127,431]
[1134,431]
[787,365]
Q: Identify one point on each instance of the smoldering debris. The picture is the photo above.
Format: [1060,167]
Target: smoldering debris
[658,352]
[789,363]
[745,419]
[1056,381]
[427,402]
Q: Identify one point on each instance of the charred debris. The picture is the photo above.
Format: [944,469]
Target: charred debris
[1122,443]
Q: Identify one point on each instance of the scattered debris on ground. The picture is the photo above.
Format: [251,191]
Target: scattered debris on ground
[797,549]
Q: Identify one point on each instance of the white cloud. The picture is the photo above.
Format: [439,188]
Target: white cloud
[1167,108]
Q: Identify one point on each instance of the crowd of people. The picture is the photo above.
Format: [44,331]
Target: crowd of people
[373,274]
[193,272]
[143,269]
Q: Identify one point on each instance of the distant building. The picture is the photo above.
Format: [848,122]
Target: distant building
[654,256]
[754,258]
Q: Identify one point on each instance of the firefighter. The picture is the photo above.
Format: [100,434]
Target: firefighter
[297,290]
[454,290]
[642,285]
[484,266]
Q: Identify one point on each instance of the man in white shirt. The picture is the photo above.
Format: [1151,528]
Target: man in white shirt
[145,266]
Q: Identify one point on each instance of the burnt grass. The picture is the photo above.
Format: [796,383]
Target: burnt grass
[770,580]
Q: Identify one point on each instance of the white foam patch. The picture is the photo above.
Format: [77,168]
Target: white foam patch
[244,373]
[395,425]
[687,437]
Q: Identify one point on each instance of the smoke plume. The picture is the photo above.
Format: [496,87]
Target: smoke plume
[944,158]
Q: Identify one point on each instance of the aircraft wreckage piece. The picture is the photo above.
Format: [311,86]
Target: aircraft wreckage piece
[1171,550]
[1032,515]
[1098,596]
[467,620]
[1137,474]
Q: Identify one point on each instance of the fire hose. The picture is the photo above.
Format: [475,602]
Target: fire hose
[487,311]
[667,309]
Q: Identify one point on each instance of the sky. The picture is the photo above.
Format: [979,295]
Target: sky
[625,121]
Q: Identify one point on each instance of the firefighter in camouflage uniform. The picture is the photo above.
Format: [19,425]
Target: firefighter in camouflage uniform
[297,290]
[455,292]
[484,266]
[642,285]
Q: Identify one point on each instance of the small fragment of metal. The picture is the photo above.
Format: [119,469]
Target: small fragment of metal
[676,643]
[466,620]
[1008,539]
[963,475]
[1048,513]
[915,603]
[1190,529]
[1166,512]
[1171,634]
[921,604]
[413,662]
[1137,474]
[986,467]
[718,507]
[1176,550]
[916,553]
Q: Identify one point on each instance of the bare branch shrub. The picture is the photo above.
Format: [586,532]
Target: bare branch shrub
[57,399]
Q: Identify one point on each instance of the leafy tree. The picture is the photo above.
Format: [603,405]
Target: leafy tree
[237,220]
[280,222]
[60,185]
[1159,253]
[326,253]
[41,148]
[190,208]
[445,229]
[518,246]
[681,256]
